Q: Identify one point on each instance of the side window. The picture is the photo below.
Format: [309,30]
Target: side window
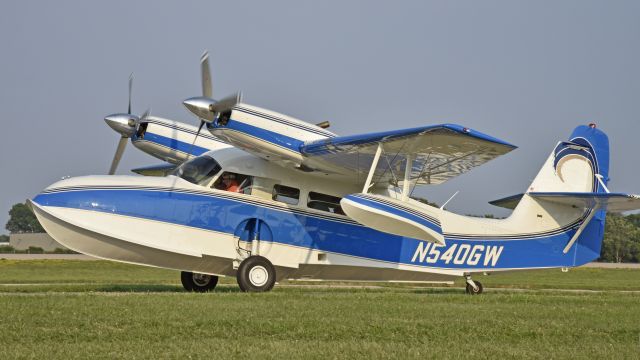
[234,182]
[286,194]
[324,202]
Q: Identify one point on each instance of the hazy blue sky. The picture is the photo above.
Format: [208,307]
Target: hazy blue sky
[526,72]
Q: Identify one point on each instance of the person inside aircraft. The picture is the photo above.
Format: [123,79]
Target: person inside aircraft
[234,182]
[229,182]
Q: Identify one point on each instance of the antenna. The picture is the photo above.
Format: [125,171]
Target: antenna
[446,202]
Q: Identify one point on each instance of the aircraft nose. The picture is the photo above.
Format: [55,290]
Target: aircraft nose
[124,124]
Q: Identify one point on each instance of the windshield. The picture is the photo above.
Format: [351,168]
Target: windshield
[199,170]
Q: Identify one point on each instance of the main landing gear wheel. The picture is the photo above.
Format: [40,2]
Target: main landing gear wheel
[198,282]
[477,290]
[256,274]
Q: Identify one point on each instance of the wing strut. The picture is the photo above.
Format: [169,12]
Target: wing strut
[372,170]
[406,184]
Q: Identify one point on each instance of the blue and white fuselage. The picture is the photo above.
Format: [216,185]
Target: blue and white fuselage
[295,219]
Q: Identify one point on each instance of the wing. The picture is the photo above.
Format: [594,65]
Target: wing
[438,153]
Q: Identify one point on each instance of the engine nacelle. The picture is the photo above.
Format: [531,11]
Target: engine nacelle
[265,133]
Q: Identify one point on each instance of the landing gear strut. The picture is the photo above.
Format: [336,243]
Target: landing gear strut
[198,282]
[474,287]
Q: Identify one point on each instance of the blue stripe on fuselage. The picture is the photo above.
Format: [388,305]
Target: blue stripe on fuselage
[224,214]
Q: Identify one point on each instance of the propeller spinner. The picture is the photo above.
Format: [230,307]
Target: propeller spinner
[126,125]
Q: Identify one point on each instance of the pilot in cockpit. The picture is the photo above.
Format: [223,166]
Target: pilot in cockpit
[229,183]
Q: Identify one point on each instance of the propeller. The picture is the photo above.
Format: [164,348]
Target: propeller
[205,72]
[126,125]
[205,107]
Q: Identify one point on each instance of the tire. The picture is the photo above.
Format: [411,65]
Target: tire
[256,274]
[471,291]
[195,282]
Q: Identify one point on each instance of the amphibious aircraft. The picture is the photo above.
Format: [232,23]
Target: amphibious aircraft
[285,199]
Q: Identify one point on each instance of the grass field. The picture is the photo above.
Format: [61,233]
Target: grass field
[75,309]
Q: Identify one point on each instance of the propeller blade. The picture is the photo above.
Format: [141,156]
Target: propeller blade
[122,144]
[145,115]
[130,87]
[196,138]
[207,88]
[227,103]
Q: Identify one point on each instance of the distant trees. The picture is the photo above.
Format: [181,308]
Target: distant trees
[621,239]
[424,201]
[22,220]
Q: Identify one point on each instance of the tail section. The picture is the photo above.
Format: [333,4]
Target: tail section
[577,166]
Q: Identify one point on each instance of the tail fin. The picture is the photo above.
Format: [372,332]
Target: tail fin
[579,165]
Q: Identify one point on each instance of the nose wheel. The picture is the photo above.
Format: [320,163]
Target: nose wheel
[256,274]
[198,282]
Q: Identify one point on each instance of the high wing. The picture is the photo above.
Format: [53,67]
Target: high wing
[438,153]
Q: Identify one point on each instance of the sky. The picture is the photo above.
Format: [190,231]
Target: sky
[527,72]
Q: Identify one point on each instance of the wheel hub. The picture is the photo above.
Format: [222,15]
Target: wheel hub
[201,279]
[258,275]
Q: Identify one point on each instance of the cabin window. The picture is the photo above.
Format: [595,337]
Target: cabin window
[286,194]
[234,182]
[324,202]
[199,170]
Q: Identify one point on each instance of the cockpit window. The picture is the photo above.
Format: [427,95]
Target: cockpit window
[198,171]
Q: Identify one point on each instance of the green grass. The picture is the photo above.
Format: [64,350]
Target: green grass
[77,309]
[109,273]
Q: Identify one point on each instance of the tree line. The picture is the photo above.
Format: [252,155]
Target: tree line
[621,235]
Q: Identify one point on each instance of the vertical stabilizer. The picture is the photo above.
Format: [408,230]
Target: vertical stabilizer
[578,165]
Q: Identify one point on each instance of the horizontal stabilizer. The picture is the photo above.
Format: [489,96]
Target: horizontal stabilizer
[613,202]
[155,170]
[393,216]
[509,202]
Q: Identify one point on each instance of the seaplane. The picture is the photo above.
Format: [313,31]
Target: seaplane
[265,197]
